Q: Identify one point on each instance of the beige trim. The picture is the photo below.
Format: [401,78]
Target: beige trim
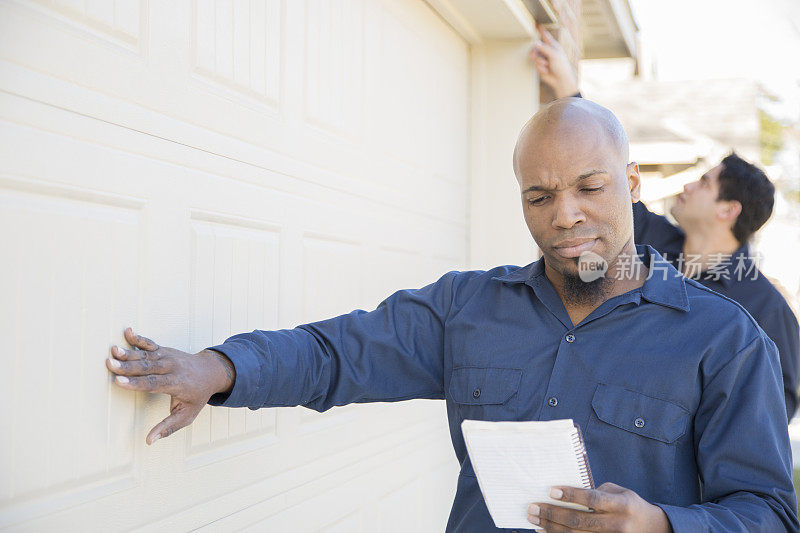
[480,20]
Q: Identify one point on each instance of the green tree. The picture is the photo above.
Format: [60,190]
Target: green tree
[771,138]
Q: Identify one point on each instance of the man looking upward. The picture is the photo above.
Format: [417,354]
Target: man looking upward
[717,215]
[675,387]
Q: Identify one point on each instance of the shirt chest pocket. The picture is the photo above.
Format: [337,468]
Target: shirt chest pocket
[485,393]
[637,413]
[632,439]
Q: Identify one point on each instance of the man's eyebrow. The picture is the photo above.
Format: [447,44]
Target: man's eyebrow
[590,173]
[585,175]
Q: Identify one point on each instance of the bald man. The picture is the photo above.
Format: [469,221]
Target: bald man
[675,388]
[717,216]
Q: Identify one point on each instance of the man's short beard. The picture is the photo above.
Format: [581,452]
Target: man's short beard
[579,292]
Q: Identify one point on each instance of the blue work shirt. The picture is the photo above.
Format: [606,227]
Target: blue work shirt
[738,278]
[711,447]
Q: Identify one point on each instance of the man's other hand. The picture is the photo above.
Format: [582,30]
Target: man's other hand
[553,66]
[190,379]
[614,509]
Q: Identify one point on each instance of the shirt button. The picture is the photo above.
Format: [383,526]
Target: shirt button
[552,401]
[476,393]
[639,422]
[570,337]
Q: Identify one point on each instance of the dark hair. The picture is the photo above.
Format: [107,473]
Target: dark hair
[748,185]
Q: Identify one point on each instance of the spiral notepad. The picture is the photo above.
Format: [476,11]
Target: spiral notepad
[517,463]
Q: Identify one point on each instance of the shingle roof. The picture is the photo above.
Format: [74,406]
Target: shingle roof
[656,111]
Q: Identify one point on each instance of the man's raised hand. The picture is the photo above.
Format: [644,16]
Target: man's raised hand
[614,508]
[553,66]
[190,379]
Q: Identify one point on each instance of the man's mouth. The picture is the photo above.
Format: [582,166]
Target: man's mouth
[574,247]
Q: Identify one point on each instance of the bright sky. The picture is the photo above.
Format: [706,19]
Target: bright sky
[718,39]
[722,39]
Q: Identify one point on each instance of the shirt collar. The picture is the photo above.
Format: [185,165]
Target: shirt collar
[523,274]
[664,286]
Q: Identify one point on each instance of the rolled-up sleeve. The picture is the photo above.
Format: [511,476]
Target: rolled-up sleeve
[392,353]
[743,452]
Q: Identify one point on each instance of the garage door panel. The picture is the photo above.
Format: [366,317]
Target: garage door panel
[116,21]
[200,432]
[67,306]
[326,501]
[331,276]
[236,277]
[334,66]
[259,436]
[223,39]
[235,288]
[409,265]
[35,289]
[237,46]
[398,127]
[448,126]
[405,112]
[219,424]
[414,269]
[78,50]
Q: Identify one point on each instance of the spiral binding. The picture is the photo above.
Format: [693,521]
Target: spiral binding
[583,458]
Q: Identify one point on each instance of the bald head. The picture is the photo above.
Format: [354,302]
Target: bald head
[577,187]
[568,120]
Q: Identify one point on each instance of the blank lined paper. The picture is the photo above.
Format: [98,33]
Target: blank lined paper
[517,463]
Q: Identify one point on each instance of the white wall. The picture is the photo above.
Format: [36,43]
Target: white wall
[200,168]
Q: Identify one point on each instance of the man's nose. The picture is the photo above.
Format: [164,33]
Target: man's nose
[567,213]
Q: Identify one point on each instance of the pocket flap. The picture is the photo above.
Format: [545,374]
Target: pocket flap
[484,386]
[641,414]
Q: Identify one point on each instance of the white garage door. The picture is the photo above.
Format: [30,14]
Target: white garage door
[198,169]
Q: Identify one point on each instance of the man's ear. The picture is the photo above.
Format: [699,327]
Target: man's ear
[634,181]
[728,211]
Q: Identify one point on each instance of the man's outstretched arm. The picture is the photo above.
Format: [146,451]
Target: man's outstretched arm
[394,352]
